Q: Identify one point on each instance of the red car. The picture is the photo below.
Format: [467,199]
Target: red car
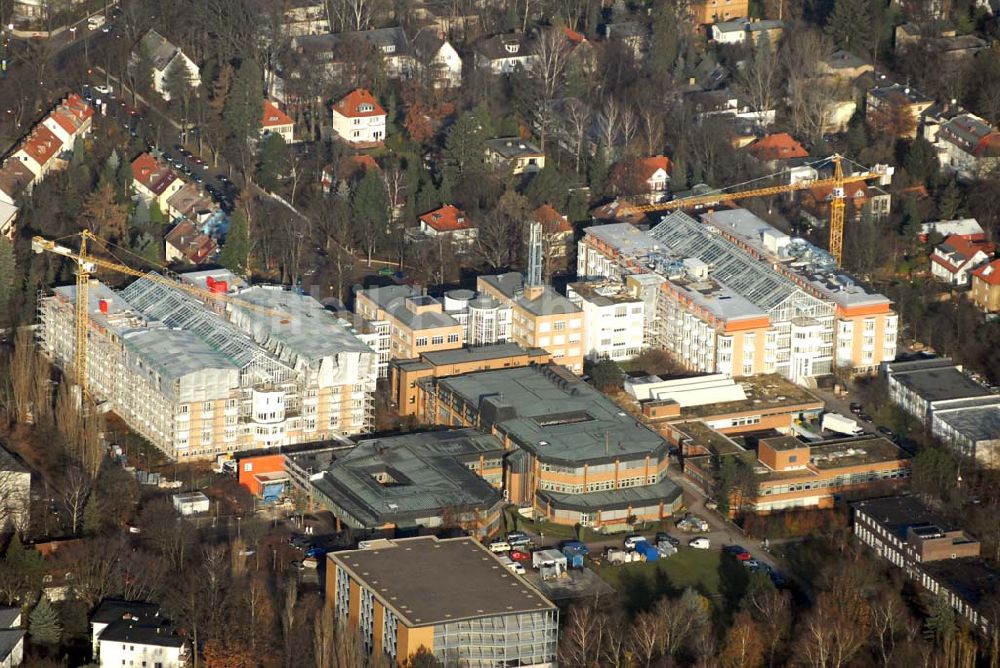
[743,556]
[520,555]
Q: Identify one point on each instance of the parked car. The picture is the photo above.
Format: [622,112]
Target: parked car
[103,89]
[700,543]
[520,555]
[516,538]
[499,547]
[296,565]
[516,568]
[751,563]
[574,545]
[865,417]
[856,408]
[885,431]
[632,541]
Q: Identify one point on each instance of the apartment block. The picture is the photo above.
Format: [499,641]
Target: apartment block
[480,616]
[542,318]
[405,374]
[199,380]
[614,319]
[572,454]
[795,474]
[742,298]
[933,552]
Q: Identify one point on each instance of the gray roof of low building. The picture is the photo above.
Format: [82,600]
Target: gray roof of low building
[392,300]
[9,463]
[898,513]
[844,60]
[935,381]
[376,38]
[160,50]
[494,47]
[429,471]
[665,491]
[474,354]
[429,581]
[972,579]
[8,616]
[509,148]
[174,353]
[976,423]
[554,414]
[9,638]
[740,25]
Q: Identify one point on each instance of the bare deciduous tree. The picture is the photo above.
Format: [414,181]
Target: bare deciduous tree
[758,77]
[548,72]
[575,121]
[73,493]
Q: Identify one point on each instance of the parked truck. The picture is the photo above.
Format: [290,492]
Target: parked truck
[841,424]
[574,556]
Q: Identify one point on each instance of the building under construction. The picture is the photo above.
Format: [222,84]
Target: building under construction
[199,380]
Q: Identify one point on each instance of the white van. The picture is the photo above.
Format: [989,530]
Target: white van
[499,547]
[632,541]
[95,21]
[700,543]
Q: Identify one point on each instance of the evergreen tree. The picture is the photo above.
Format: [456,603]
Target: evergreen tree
[92,516]
[597,173]
[235,255]
[273,161]
[177,82]
[8,273]
[851,26]
[370,211]
[143,73]
[243,113]
[79,154]
[951,201]
[665,46]
[547,187]
[44,625]
[220,89]
[921,161]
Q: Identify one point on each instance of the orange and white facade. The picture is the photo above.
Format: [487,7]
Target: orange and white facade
[358,118]
[742,298]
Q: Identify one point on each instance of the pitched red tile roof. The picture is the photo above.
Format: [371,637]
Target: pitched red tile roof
[359,103]
[273,116]
[152,174]
[989,273]
[852,191]
[958,250]
[195,246]
[648,166]
[552,221]
[988,146]
[77,106]
[14,177]
[42,144]
[573,36]
[448,218]
[780,146]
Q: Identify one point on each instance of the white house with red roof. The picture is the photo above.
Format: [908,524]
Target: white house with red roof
[152,180]
[275,121]
[557,235]
[648,177]
[38,151]
[953,260]
[448,220]
[358,118]
[71,119]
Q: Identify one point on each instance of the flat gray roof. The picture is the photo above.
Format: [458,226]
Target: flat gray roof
[475,354]
[429,581]
[976,423]
[392,299]
[552,413]
[899,513]
[628,497]
[513,147]
[175,353]
[428,474]
[937,382]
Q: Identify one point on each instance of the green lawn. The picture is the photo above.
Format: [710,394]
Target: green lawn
[707,572]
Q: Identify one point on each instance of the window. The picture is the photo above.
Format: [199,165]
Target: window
[453,338]
[437,340]
[366,107]
[207,407]
[559,326]
[792,459]
[421,341]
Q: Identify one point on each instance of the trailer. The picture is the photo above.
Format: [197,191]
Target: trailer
[549,557]
[841,424]
[574,557]
[647,550]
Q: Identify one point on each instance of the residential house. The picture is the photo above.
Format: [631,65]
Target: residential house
[503,54]
[542,318]
[519,155]
[305,17]
[986,287]
[633,35]
[798,474]
[39,151]
[752,31]
[450,221]
[859,195]
[358,118]
[782,152]
[557,237]
[953,48]
[705,12]
[154,181]
[844,66]
[15,493]
[332,51]
[582,54]
[729,103]
[72,118]
[163,54]
[645,177]
[132,633]
[15,179]
[932,551]
[968,146]
[966,228]
[190,201]
[954,260]
[275,121]
[896,108]
[186,243]
[433,54]
[11,637]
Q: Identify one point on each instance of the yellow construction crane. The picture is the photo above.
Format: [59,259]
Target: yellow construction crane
[837,203]
[87,264]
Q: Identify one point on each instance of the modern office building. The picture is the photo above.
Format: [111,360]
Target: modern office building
[573,455]
[932,551]
[742,298]
[481,615]
[614,319]
[199,380]
[796,474]
[429,480]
